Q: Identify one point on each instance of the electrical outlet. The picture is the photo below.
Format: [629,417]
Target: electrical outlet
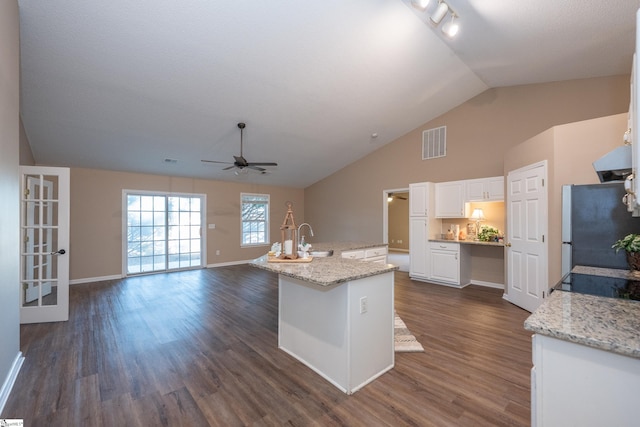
[363,305]
[218,252]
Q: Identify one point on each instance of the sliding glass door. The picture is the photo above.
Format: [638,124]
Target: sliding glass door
[163,231]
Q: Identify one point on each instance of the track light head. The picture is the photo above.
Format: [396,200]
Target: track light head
[440,12]
[451,28]
[421,5]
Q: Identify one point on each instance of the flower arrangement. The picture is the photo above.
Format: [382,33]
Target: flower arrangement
[488,233]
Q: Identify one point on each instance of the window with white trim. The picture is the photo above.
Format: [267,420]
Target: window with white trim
[255,219]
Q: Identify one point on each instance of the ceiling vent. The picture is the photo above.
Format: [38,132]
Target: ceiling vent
[434,143]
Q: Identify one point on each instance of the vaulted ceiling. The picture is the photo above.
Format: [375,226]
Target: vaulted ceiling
[126,85]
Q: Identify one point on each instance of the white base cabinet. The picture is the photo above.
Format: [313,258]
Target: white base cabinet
[418,248]
[377,254]
[449,264]
[576,385]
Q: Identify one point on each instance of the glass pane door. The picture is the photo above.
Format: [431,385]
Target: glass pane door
[44,275]
[163,232]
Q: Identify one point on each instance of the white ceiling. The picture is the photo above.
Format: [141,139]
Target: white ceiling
[124,85]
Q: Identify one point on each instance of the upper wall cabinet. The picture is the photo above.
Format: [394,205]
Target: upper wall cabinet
[485,189]
[419,199]
[450,200]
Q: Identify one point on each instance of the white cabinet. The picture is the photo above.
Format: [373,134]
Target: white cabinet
[450,200]
[419,199]
[448,263]
[376,254]
[422,224]
[577,385]
[485,189]
[418,248]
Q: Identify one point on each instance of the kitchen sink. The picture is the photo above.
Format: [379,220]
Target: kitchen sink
[321,254]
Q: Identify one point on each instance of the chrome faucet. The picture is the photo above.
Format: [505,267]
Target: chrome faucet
[301,238]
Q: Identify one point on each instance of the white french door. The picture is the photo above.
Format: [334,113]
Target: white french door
[44,235]
[526,230]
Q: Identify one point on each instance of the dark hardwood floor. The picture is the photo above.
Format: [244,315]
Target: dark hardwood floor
[199,348]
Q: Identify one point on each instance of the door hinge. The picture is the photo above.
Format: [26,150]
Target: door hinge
[543,238]
[543,182]
[543,294]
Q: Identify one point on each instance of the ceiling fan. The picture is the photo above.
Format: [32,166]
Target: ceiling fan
[392,196]
[240,162]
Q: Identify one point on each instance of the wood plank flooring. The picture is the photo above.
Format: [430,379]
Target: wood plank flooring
[199,348]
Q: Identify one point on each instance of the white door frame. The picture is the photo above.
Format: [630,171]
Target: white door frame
[37,311]
[530,301]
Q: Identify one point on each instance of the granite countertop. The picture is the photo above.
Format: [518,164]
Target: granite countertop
[609,324]
[331,270]
[469,242]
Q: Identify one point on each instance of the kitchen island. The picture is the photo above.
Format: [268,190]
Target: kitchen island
[336,315]
[586,357]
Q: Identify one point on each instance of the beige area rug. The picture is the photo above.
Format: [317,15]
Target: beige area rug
[404,341]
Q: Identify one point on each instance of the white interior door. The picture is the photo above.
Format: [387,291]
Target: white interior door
[526,230]
[44,222]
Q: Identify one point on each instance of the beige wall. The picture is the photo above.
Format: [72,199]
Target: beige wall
[9,188]
[96,217]
[346,205]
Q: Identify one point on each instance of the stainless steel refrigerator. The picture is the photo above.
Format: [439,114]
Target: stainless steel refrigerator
[593,218]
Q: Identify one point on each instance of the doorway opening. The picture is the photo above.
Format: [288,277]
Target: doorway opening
[396,226]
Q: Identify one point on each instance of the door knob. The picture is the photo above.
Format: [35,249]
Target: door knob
[508,245]
[60,252]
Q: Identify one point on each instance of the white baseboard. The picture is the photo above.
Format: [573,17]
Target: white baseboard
[487,284]
[95,279]
[10,380]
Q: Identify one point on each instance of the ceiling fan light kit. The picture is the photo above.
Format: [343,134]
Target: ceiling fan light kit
[240,163]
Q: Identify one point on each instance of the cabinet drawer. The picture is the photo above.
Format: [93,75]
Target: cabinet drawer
[444,246]
[368,253]
[353,254]
[379,259]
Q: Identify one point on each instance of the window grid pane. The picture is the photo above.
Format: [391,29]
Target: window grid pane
[255,219]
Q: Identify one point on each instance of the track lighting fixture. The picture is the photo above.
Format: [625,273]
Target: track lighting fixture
[420,4]
[437,15]
[440,12]
[451,28]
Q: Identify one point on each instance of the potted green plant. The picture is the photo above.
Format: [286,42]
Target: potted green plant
[631,245]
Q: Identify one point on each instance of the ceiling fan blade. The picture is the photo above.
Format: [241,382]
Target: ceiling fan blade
[216,161]
[229,167]
[254,167]
[262,164]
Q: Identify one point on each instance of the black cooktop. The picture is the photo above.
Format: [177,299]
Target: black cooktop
[611,287]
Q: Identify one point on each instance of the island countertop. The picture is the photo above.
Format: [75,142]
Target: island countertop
[604,323]
[328,271]
[470,242]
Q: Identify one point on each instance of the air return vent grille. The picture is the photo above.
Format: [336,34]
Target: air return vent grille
[434,143]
